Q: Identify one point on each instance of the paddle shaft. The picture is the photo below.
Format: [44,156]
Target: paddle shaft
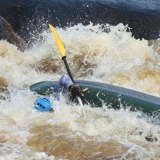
[70,75]
[68,69]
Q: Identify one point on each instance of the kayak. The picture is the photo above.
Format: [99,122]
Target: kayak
[102,94]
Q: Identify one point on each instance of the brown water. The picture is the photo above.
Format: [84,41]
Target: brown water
[113,58]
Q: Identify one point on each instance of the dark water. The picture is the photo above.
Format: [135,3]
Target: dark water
[30,17]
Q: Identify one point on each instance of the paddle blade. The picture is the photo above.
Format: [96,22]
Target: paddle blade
[58,40]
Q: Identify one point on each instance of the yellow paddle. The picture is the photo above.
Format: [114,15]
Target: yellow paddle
[58,41]
[62,51]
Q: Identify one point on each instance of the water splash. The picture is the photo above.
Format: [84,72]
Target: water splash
[115,58]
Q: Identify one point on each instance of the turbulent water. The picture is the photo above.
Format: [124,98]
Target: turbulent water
[114,58]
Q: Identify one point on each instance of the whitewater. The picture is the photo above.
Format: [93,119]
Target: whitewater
[113,57]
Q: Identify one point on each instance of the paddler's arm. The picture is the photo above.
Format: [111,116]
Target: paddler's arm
[62,85]
[66,83]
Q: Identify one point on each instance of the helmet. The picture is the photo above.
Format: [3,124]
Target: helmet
[43,104]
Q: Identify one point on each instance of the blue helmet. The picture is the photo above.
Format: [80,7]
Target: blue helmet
[43,104]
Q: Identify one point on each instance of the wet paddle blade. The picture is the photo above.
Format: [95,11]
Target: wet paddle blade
[58,40]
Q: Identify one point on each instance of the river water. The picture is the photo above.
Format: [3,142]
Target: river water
[102,134]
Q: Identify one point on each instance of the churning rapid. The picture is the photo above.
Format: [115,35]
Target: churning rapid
[114,58]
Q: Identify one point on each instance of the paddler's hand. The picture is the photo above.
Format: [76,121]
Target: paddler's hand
[76,90]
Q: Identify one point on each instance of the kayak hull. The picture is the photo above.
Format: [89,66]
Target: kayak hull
[101,94]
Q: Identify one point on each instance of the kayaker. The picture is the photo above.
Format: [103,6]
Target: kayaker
[44,104]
